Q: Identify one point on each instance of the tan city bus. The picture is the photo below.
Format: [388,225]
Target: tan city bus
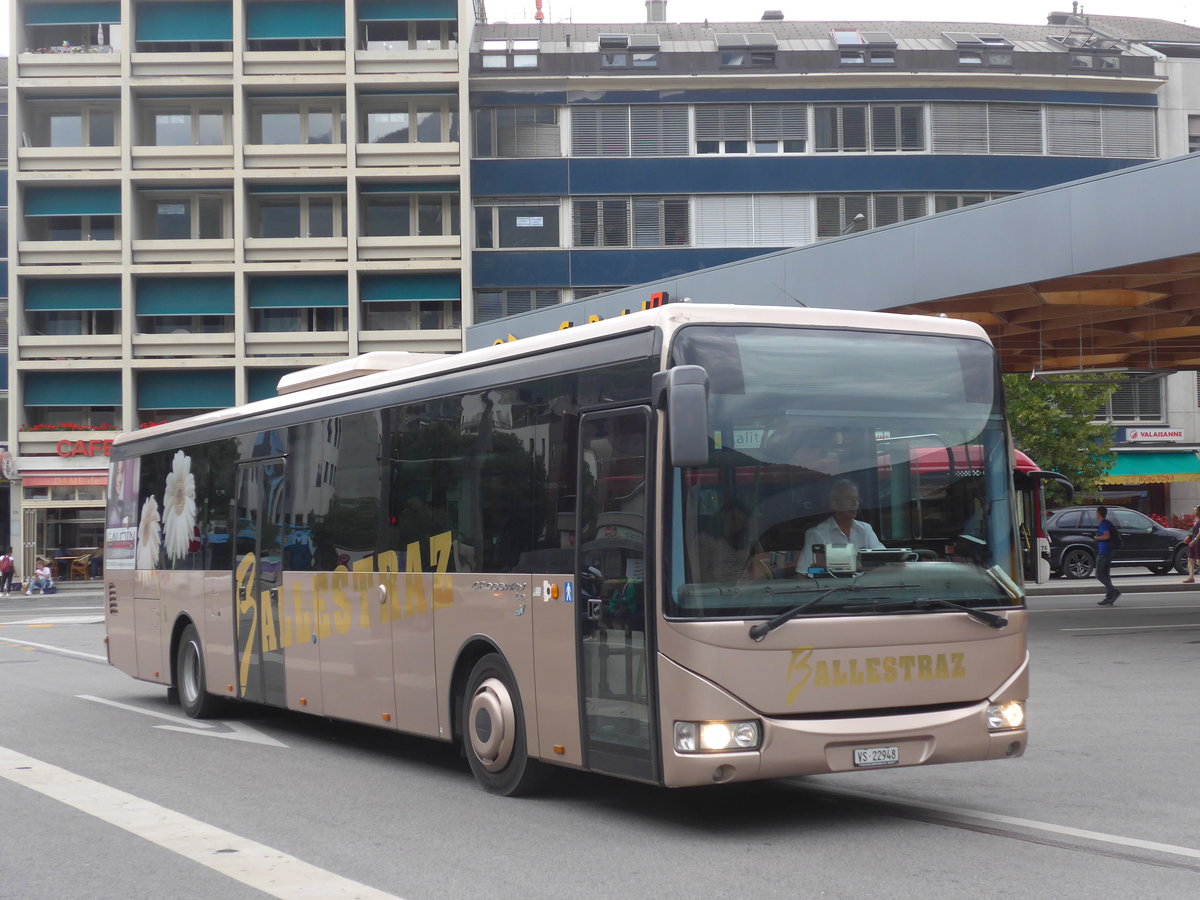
[691,545]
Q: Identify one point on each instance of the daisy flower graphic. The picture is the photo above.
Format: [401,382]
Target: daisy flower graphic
[148,540]
[179,506]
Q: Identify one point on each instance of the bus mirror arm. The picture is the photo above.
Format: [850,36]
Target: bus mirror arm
[683,393]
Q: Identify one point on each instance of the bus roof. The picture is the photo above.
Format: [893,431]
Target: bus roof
[373,371]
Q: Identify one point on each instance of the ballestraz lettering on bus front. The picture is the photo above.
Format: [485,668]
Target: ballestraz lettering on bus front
[803,670]
[323,604]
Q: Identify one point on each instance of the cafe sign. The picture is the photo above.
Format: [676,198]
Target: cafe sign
[83,448]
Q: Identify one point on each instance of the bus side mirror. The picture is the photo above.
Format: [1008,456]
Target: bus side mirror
[683,393]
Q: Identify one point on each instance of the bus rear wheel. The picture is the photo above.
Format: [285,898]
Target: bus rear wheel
[189,677]
[493,728]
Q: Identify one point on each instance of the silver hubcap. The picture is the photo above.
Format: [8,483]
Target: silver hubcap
[492,724]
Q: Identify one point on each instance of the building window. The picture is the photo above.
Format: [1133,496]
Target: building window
[411,315]
[513,132]
[400,36]
[183,217]
[496,304]
[90,418]
[305,122]
[59,124]
[845,129]
[74,322]
[650,130]
[600,131]
[186,124]
[1138,399]
[298,319]
[297,215]
[73,228]
[406,215]
[753,220]
[515,54]
[839,214]
[632,222]
[747,59]
[516,225]
[758,129]
[400,120]
[158,324]
[1193,134]
[93,37]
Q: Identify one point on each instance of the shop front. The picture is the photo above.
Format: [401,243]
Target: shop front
[1156,480]
[62,520]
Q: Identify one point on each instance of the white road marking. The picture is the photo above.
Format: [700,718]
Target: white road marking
[64,650]
[59,620]
[179,720]
[237,730]
[1139,607]
[1135,627]
[261,867]
[976,815]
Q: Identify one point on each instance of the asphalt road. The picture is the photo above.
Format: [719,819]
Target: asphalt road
[106,791]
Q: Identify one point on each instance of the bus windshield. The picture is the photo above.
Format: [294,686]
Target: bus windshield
[879,458]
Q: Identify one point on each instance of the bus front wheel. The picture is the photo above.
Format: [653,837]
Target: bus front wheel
[493,728]
[189,677]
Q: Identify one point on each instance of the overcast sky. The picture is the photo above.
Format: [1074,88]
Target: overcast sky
[1024,12]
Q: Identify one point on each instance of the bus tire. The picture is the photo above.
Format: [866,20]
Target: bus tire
[493,729]
[189,677]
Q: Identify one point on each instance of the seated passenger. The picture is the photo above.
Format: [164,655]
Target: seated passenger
[729,555]
[840,528]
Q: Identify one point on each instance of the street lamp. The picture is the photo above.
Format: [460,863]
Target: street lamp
[849,227]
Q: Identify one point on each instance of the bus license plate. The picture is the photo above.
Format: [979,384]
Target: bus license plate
[877,756]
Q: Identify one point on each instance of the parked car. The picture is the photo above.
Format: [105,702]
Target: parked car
[1143,542]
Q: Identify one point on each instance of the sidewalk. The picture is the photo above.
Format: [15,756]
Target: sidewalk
[1129,581]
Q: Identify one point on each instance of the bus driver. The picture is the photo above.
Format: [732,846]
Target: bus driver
[840,528]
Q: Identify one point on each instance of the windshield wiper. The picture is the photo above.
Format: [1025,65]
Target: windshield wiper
[979,615]
[762,629]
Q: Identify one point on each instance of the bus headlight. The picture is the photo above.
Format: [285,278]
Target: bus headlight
[1003,716]
[717,737]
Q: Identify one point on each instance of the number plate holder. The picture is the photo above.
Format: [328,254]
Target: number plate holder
[876,756]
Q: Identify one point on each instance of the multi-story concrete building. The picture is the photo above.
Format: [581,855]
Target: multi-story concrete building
[209,193]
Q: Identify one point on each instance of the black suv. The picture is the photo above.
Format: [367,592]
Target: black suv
[1143,542]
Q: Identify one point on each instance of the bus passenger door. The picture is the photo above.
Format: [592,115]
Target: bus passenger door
[257,580]
[619,733]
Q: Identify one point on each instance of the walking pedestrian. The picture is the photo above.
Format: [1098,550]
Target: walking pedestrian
[1193,545]
[7,567]
[1104,548]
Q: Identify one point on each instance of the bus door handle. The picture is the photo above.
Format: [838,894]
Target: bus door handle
[593,609]
[383,593]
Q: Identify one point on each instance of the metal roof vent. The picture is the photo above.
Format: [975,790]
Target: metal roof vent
[772,15]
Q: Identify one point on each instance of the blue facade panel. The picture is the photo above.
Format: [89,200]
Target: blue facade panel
[598,268]
[809,95]
[778,175]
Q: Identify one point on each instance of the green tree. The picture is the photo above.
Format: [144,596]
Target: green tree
[1052,422]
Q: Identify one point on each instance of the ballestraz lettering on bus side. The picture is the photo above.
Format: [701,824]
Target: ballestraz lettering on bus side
[329,603]
[845,671]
